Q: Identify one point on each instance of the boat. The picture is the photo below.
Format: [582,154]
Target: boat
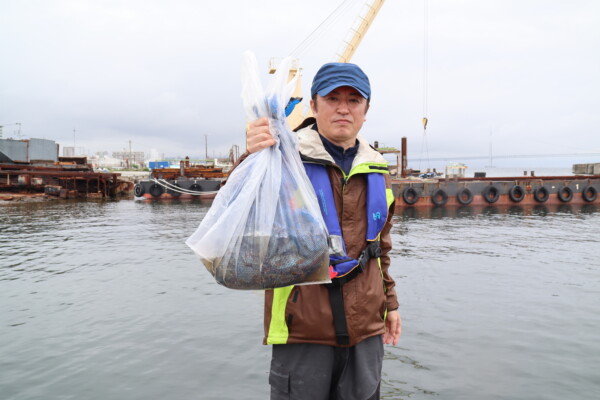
[186,182]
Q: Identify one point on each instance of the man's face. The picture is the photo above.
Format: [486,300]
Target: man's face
[340,115]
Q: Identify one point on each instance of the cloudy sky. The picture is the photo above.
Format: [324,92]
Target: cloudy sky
[523,76]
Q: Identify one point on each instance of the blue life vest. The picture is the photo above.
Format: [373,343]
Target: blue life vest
[342,267]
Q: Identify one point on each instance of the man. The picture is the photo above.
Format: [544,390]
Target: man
[328,339]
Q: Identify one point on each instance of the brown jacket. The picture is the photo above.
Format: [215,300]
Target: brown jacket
[302,314]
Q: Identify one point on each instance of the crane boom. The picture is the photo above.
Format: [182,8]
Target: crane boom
[364,22]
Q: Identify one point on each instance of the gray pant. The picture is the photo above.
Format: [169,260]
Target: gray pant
[317,372]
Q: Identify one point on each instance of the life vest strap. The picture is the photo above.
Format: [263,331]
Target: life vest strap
[336,295]
[373,250]
[336,298]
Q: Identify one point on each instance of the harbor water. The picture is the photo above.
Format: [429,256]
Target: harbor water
[103,300]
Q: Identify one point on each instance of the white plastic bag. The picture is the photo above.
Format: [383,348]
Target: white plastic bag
[264,228]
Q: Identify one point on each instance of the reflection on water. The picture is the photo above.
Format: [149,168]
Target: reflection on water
[103,300]
[497,302]
[469,211]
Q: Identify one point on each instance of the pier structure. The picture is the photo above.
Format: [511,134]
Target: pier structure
[61,182]
[30,166]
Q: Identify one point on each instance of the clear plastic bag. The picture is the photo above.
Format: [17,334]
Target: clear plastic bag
[264,228]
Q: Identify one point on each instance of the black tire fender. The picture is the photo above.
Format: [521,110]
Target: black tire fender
[172,192]
[138,190]
[194,187]
[491,194]
[439,197]
[410,195]
[589,193]
[464,196]
[156,190]
[565,194]
[541,194]
[516,193]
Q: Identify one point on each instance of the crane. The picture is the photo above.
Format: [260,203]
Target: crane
[347,50]
[364,22]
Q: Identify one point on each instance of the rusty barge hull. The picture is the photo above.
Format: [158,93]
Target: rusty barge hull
[502,191]
[186,182]
[182,188]
[61,181]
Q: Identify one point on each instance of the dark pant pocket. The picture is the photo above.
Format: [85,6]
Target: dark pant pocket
[280,385]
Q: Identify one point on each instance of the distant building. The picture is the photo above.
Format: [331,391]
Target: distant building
[68,151]
[105,161]
[155,155]
[130,157]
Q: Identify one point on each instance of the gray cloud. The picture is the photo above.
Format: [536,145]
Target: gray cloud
[165,74]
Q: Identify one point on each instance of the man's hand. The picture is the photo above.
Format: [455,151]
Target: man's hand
[258,135]
[393,327]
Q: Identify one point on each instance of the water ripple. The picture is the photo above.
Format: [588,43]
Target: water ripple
[105,301]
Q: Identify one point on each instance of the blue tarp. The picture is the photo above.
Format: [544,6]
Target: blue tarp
[158,164]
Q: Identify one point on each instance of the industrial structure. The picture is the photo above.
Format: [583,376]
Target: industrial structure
[454,189]
[348,48]
[33,166]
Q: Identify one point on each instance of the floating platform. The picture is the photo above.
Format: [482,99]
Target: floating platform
[182,188]
[65,179]
[503,191]
[186,182]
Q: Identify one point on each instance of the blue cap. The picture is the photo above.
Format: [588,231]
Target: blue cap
[334,75]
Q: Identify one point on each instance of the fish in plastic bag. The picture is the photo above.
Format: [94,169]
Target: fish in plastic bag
[265,228]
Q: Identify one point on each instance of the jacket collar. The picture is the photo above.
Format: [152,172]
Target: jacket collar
[310,146]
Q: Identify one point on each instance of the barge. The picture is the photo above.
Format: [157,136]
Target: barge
[32,167]
[65,180]
[186,182]
[456,190]
[481,191]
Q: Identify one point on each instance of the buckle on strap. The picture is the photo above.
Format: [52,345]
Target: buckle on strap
[373,250]
[336,295]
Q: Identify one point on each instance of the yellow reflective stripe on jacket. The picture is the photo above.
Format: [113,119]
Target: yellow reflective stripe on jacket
[384,288]
[365,168]
[278,329]
[389,195]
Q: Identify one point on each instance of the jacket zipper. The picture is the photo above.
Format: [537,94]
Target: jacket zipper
[344,183]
